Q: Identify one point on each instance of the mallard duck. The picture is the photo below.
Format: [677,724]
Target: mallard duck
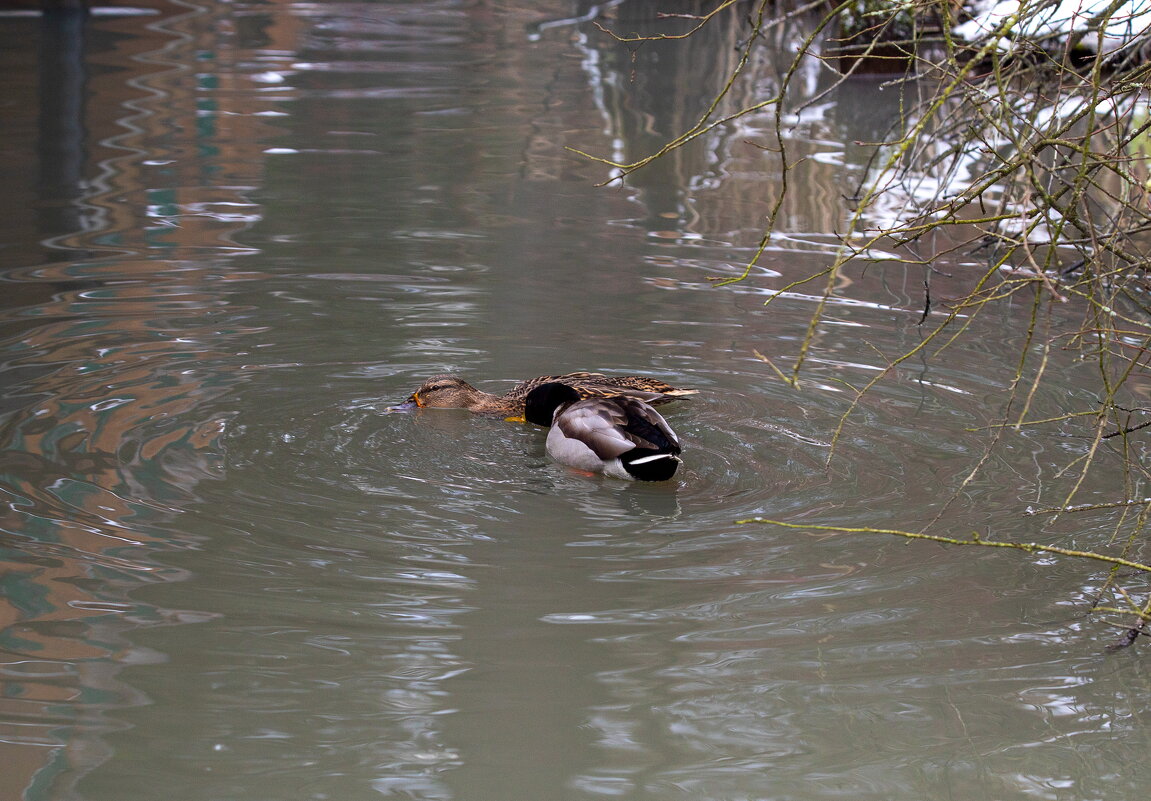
[619,436]
[451,392]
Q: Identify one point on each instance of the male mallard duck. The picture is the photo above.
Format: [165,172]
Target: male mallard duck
[450,392]
[619,436]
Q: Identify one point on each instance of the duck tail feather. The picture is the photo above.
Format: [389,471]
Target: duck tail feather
[646,465]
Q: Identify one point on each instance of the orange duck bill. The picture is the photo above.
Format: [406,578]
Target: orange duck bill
[413,402]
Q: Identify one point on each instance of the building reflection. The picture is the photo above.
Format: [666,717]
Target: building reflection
[148,135]
[651,92]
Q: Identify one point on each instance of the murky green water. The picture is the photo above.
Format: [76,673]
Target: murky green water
[230,574]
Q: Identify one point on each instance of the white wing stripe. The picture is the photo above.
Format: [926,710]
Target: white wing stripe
[647,459]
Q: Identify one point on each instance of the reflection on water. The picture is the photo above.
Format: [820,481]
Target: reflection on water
[252,227]
[106,435]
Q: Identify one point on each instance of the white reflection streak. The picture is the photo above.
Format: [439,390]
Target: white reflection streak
[592,13]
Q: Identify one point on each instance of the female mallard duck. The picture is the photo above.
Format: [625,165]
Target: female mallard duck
[619,436]
[450,392]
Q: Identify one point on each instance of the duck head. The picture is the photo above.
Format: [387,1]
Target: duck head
[443,392]
[541,403]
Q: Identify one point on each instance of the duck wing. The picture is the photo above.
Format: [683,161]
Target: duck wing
[611,427]
[596,425]
[646,427]
[598,385]
[641,383]
[571,379]
[617,391]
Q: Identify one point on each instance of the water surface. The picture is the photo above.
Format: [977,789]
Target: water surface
[231,573]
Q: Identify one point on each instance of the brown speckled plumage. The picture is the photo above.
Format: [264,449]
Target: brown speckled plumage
[452,392]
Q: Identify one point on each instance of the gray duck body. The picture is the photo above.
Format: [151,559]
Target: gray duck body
[618,436]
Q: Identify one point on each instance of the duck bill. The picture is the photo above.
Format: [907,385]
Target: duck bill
[411,403]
